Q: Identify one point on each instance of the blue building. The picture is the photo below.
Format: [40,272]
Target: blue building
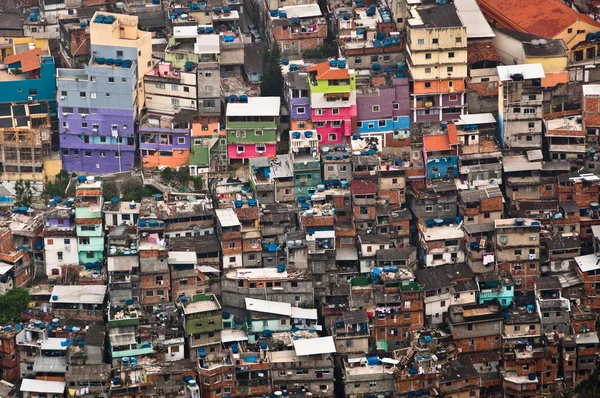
[398,125]
[27,104]
[29,76]
[440,154]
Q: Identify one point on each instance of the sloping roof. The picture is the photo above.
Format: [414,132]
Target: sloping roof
[122,263]
[545,18]
[43,386]
[473,19]
[304,313]
[227,217]
[29,60]
[363,187]
[321,345]
[50,364]
[482,51]
[434,143]
[552,48]
[326,72]
[268,307]
[353,317]
[151,19]
[452,134]
[461,369]
[229,335]
[529,71]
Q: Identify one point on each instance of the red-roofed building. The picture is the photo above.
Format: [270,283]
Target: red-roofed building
[440,154]
[551,19]
[363,204]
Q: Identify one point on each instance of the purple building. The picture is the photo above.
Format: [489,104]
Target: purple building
[298,99]
[97,141]
[383,106]
[165,140]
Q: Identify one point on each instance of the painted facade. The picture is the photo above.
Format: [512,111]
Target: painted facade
[88,220]
[98,105]
[208,145]
[39,83]
[169,90]
[306,162]
[252,128]
[165,141]
[437,61]
[333,101]
[60,242]
[297,28]
[440,154]
[384,107]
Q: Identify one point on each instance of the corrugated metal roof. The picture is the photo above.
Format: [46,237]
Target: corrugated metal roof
[50,364]
[529,71]
[122,263]
[304,313]
[227,217]
[182,258]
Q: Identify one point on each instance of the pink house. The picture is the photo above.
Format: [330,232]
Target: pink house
[332,101]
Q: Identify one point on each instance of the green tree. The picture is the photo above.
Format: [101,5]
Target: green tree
[58,187]
[589,388]
[167,175]
[24,192]
[13,303]
[272,79]
[133,192]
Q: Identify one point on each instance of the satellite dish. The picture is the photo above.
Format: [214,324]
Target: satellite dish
[535,42]
[543,42]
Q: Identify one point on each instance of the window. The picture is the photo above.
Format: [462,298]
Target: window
[181,140]
[102,154]
[427,70]
[381,123]
[175,102]
[336,123]
[59,256]
[335,111]
[428,208]
[421,42]
[459,39]
[529,110]
[570,30]
[332,137]
[67,109]
[450,69]
[88,154]
[174,88]
[111,79]
[427,84]
[434,41]
[428,56]
[84,125]
[240,134]
[450,55]
[301,125]
[372,384]
[531,125]
[301,110]
[32,91]
[260,148]
[375,108]
[453,97]
[395,106]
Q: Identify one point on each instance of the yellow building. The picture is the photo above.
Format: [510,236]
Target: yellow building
[122,39]
[15,45]
[549,19]
[437,60]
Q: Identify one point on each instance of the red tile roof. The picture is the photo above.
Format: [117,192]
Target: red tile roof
[30,60]
[363,187]
[546,18]
[436,143]
[326,72]
[452,134]
[482,51]
[484,89]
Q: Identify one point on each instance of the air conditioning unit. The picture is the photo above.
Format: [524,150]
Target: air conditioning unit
[29,98]
[63,97]
[83,115]
[95,130]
